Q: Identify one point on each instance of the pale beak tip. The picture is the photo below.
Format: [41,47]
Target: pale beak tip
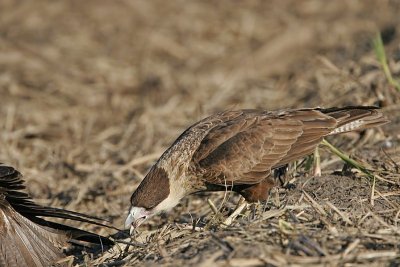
[128,221]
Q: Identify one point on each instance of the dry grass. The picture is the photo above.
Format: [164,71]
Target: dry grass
[92,93]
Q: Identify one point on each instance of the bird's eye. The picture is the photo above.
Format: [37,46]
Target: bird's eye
[142,219]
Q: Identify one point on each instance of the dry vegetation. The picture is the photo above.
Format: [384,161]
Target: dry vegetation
[93,91]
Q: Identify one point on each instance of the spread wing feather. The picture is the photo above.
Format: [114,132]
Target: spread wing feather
[23,243]
[12,184]
[25,238]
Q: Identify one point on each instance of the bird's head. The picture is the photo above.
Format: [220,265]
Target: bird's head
[136,216]
[153,196]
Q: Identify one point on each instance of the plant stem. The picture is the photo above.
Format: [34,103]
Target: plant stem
[381,55]
[347,159]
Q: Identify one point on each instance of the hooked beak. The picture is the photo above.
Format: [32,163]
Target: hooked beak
[136,217]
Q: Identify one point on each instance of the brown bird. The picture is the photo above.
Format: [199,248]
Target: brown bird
[237,150]
[25,238]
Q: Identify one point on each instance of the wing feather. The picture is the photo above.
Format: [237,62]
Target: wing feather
[27,240]
[244,149]
[24,243]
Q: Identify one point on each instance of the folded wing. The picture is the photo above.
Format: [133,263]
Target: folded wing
[243,150]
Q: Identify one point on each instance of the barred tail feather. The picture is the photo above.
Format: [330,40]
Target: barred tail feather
[355,118]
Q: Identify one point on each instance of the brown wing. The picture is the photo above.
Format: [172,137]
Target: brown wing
[25,238]
[24,243]
[243,150]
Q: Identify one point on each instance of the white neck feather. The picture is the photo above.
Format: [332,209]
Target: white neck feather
[177,192]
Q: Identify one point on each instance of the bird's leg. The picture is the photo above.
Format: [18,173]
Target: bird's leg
[255,193]
[280,173]
[258,192]
[317,163]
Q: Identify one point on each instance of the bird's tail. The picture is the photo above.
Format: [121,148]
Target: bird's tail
[355,118]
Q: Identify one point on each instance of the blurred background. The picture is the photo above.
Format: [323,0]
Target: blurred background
[92,92]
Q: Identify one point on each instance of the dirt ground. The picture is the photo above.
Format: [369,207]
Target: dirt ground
[92,92]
